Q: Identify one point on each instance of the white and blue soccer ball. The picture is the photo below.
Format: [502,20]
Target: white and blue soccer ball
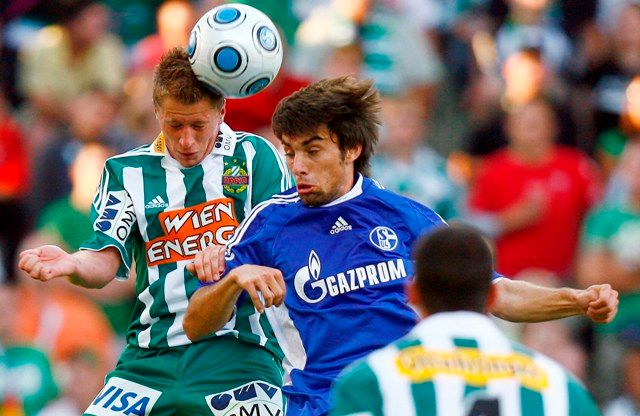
[236,50]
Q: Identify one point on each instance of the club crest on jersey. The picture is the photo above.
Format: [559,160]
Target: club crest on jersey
[256,398]
[120,397]
[189,230]
[312,288]
[384,238]
[235,178]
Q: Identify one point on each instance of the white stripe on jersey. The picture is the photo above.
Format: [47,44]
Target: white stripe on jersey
[176,296]
[394,387]
[288,336]
[242,228]
[213,168]
[176,191]
[555,397]
[285,182]
[250,152]
[132,178]
[256,328]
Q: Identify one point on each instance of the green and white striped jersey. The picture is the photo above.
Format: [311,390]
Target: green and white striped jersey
[458,364]
[159,214]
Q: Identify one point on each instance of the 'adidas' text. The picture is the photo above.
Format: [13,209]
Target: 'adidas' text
[340,225]
[156,202]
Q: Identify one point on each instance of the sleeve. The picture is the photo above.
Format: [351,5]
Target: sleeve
[114,220]
[251,241]
[356,392]
[580,401]
[270,173]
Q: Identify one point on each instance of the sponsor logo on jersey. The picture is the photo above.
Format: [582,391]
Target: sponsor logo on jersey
[235,178]
[121,397]
[189,230]
[117,216]
[474,367]
[225,142]
[384,238]
[252,399]
[340,225]
[312,288]
[156,202]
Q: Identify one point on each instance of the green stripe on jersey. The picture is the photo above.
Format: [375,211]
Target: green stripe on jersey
[159,215]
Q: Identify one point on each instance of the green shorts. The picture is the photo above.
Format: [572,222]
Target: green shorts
[219,376]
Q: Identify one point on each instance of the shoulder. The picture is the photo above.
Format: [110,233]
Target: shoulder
[401,206]
[130,157]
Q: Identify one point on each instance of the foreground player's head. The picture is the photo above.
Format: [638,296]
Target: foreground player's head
[328,130]
[189,114]
[454,269]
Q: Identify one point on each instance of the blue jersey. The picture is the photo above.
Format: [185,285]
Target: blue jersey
[345,265]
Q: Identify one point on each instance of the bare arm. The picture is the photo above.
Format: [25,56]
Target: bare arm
[520,301]
[211,307]
[91,269]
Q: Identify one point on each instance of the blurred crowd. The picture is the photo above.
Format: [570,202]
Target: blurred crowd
[521,117]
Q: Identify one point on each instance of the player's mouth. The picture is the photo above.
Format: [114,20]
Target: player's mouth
[304,188]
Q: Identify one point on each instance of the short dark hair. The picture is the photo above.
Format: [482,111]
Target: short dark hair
[173,77]
[454,269]
[350,108]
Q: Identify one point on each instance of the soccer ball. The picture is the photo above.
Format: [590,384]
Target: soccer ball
[235,50]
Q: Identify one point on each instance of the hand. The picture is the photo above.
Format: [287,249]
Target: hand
[266,280]
[47,262]
[208,264]
[599,303]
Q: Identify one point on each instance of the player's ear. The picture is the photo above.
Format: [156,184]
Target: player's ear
[223,110]
[353,153]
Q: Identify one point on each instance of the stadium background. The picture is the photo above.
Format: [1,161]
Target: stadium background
[521,117]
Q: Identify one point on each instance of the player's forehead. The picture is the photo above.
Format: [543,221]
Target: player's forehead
[174,110]
[321,135]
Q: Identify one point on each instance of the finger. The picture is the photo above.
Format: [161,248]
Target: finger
[191,268]
[197,262]
[210,272]
[253,294]
[28,252]
[29,263]
[267,295]
[35,272]
[222,264]
[277,288]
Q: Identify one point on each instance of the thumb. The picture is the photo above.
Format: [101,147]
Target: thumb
[191,268]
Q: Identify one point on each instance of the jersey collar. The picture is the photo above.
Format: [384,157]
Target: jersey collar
[225,144]
[354,192]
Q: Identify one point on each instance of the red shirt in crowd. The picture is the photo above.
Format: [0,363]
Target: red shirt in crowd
[571,185]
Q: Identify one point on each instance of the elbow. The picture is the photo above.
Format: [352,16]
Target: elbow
[190,327]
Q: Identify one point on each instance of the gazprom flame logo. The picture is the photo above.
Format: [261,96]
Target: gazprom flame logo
[305,274]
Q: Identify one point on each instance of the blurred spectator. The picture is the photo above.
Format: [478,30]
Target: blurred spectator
[538,193]
[404,163]
[14,186]
[528,25]
[61,323]
[628,403]
[610,78]
[65,222]
[91,118]
[81,382]
[174,20]
[26,379]
[611,143]
[610,252]
[63,62]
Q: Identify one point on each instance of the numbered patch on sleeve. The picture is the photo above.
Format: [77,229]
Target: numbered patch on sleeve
[255,398]
[121,397]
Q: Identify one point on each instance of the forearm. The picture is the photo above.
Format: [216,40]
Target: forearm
[519,301]
[210,308]
[94,269]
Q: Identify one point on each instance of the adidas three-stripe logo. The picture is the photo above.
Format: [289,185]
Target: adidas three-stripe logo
[156,202]
[340,225]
